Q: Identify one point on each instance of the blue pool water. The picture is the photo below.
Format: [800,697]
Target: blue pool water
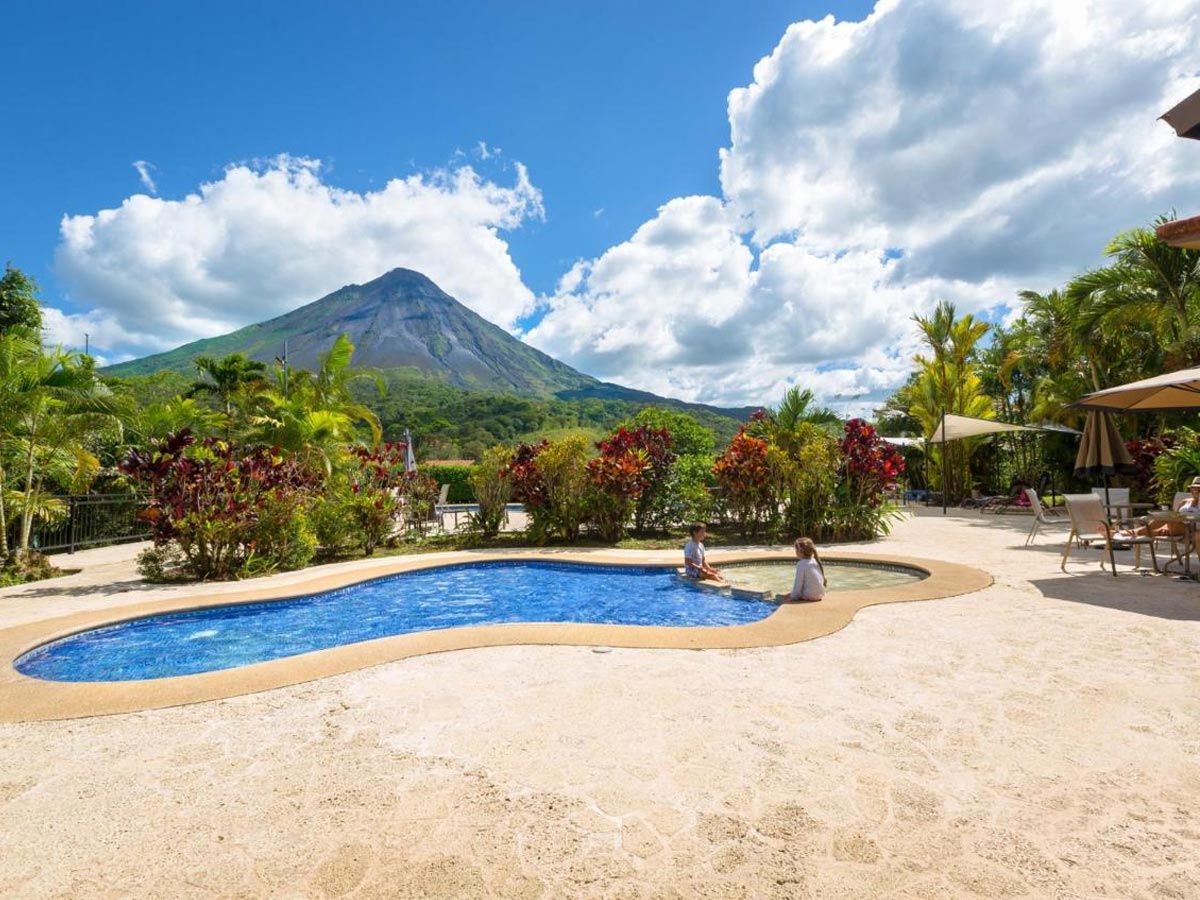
[224,637]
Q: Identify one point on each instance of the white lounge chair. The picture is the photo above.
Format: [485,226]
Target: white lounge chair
[1089,522]
[1042,515]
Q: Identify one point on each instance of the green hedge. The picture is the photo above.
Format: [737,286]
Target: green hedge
[458,477]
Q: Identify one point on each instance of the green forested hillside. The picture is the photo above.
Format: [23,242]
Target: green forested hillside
[454,422]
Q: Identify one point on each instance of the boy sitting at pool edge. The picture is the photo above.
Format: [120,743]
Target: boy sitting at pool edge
[694,564]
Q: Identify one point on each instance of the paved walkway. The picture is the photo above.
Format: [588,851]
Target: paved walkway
[1039,738]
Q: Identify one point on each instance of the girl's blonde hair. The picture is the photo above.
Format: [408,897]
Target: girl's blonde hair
[806,548]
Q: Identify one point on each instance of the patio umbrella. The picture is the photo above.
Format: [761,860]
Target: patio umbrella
[1162,393]
[410,458]
[1101,450]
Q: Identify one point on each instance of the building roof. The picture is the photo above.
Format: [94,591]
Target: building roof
[1184,117]
[1180,233]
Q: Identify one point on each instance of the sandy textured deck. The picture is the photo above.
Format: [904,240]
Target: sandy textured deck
[1038,738]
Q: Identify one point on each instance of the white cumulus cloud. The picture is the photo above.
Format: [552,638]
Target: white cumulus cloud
[938,149]
[268,237]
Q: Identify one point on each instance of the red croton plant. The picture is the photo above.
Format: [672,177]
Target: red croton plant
[622,474]
[870,463]
[745,481]
[227,508]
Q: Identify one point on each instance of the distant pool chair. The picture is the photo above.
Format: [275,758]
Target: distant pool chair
[1089,523]
[1042,515]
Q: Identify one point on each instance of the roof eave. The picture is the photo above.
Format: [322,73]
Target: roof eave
[1183,233]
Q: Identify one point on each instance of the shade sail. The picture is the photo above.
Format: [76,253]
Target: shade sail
[1175,390]
[1101,450]
[958,427]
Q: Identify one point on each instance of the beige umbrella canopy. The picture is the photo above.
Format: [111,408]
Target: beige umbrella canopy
[1175,390]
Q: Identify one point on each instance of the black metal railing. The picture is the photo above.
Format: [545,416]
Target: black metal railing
[91,520]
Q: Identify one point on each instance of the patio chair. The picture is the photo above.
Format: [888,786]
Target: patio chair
[1118,499]
[1042,515]
[1089,522]
[439,512]
[1179,540]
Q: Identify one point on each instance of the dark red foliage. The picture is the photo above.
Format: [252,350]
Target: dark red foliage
[381,468]
[1144,453]
[528,485]
[745,479]
[871,464]
[210,479]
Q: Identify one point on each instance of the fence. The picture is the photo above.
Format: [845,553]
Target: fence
[92,519]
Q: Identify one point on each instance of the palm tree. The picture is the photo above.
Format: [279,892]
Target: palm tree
[948,381]
[799,406]
[1150,284]
[318,415]
[229,379]
[53,399]
[18,346]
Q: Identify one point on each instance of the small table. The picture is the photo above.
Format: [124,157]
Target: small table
[1190,522]
[1125,511]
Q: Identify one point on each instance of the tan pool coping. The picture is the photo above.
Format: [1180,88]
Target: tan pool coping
[25,699]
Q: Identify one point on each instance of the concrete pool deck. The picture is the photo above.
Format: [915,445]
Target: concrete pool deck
[1037,738]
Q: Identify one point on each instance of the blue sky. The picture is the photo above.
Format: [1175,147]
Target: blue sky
[614,106]
[711,201]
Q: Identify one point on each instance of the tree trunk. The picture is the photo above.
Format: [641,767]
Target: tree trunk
[27,512]
[3,520]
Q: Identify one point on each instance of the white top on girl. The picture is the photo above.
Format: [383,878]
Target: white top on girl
[809,583]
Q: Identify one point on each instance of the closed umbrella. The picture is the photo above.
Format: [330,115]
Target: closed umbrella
[410,458]
[1101,450]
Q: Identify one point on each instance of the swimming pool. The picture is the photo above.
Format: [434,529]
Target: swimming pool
[776,577]
[454,596]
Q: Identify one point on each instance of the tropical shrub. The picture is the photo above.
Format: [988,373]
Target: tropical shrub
[744,477]
[529,488]
[1176,466]
[805,478]
[491,489]
[620,477]
[688,489]
[230,511]
[563,466]
[1145,454]
[333,523]
[871,464]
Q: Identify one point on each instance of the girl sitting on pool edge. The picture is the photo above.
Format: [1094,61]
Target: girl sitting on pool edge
[809,585]
[694,564]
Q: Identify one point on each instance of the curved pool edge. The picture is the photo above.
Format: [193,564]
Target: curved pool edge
[26,699]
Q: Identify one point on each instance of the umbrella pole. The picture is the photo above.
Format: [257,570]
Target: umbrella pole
[943,460]
[1112,557]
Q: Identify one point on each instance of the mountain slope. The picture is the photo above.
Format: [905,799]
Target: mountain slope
[403,321]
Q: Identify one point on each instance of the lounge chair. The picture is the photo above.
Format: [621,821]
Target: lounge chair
[1089,522]
[1042,515]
